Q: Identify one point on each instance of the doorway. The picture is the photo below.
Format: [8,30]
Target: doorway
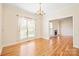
[61,27]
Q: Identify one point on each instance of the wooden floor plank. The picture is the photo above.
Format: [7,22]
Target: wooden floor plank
[62,46]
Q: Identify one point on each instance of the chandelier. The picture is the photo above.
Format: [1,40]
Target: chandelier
[40,11]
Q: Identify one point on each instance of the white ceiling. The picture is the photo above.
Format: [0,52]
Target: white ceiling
[47,7]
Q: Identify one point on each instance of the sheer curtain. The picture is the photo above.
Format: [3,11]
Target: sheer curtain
[26,28]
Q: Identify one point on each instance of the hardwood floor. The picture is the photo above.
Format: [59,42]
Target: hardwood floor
[40,47]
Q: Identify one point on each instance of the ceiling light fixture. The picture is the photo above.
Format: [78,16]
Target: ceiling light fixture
[40,11]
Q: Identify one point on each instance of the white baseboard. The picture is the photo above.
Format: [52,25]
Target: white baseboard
[15,43]
[47,38]
[18,42]
[75,46]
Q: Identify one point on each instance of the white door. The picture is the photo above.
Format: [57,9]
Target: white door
[22,28]
[26,28]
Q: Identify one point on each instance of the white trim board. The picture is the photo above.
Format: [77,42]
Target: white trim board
[75,46]
[15,43]
[19,42]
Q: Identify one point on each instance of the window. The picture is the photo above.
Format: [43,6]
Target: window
[31,28]
[50,28]
[26,28]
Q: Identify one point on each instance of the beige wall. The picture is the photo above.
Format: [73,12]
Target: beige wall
[0,27]
[39,26]
[10,23]
[66,27]
[71,11]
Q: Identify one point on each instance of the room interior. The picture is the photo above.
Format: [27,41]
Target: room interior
[39,29]
[63,26]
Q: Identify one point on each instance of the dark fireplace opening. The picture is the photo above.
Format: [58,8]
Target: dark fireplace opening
[55,32]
